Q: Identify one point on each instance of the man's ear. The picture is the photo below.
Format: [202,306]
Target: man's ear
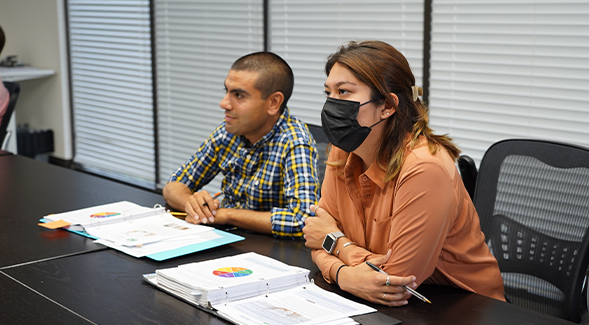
[273,103]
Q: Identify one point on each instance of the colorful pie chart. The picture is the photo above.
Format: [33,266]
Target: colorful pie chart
[232,272]
[104,214]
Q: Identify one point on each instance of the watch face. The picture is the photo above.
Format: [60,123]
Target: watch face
[328,243]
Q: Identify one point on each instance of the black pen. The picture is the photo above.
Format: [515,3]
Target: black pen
[214,197]
[413,292]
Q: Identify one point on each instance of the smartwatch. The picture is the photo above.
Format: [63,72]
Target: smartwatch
[331,240]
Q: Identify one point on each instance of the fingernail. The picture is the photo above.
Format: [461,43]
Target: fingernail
[211,219]
[204,220]
[214,212]
[405,302]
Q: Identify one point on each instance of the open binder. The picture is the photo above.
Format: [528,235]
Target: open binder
[139,231]
[254,289]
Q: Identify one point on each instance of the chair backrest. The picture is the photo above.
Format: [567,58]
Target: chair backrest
[14,90]
[322,143]
[533,201]
[468,172]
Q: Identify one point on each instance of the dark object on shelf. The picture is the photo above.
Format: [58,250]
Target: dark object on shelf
[32,142]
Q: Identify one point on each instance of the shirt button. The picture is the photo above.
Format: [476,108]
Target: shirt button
[249,157]
[241,181]
[365,178]
[257,182]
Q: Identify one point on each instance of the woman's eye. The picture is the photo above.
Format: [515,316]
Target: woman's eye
[343,91]
[327,93]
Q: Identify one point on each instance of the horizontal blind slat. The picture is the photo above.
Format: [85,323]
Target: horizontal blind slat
[112,91]
[196,43]
[507,69]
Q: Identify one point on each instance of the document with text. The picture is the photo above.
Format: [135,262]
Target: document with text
[254,289]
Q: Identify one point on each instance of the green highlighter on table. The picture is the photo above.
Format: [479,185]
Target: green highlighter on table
[413,292]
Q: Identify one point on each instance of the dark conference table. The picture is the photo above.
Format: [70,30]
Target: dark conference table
[54,276]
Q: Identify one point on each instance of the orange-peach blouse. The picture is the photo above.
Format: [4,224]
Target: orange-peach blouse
[425,216]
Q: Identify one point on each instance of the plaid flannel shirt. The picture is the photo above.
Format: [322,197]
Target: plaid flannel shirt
[278,173]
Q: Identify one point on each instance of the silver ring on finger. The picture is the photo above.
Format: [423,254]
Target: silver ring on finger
[383,295]
[388,283]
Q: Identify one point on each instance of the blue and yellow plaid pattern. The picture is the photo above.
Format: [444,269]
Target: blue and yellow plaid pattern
[277,174]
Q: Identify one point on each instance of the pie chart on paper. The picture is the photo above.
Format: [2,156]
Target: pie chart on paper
[104,214]
[232,272]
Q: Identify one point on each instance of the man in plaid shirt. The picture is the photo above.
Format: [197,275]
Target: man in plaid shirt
[268,157]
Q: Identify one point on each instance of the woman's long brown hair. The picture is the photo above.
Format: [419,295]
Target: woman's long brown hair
[385,70]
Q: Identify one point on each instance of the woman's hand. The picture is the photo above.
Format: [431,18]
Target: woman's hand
[316,228]
[364,282]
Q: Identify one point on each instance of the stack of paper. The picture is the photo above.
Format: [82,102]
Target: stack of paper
[255,289]
[139,231]
[230,278]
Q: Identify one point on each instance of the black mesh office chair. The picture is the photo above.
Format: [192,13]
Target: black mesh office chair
[322,143]
[14,90]
[468,172]
[533,201]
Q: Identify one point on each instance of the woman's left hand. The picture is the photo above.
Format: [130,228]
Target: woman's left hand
[362,281]
[316,228]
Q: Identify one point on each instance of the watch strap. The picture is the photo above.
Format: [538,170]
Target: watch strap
[338,234]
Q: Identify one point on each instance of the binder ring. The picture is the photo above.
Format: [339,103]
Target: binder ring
[161,209]
[127,214]
[267,286]
[226,296]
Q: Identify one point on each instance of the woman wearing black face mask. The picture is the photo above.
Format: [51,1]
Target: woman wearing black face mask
[392,194]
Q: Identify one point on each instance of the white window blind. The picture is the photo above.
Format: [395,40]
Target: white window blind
[305,32]
[510,69]
[196,43]
[110,53]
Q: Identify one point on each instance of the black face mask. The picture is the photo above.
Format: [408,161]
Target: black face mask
[338,119]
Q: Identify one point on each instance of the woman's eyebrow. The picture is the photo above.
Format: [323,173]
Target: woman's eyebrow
[341,83]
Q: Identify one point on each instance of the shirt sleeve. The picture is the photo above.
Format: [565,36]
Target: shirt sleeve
[301,185]
[328,202]
[202,167]
[423,212]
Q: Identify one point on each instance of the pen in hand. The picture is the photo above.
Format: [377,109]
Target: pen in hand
[214,197]
[413,292]
[182,215]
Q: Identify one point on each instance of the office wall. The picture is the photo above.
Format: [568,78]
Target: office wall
[35,32]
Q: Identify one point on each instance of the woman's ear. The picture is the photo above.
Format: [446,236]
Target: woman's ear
[389,108]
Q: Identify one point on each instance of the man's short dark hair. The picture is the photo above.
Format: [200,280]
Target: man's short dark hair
[274,73]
